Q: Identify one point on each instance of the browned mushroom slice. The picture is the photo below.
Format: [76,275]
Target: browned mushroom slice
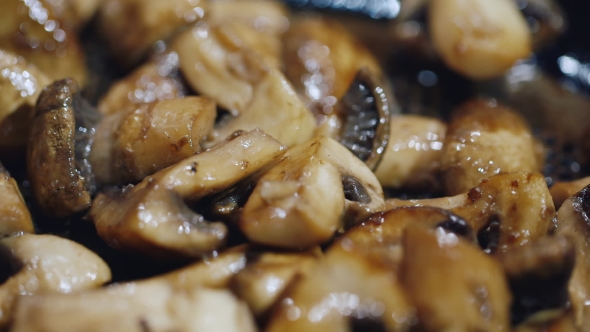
[478,38]
[156,80]
[380,236]
[547,264]
[56,160]
[14,214]
[21,83]
[361,118]
[131,27]
[453,285]
[316,189]
[267,275]
[220,64]
[484,139]
[412,157]
[345,291]
[153,218]
[573,219]
[560,191]
[322,59]
[35,264]
[31,29]
[139,141]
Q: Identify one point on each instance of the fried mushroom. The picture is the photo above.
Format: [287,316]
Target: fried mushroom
[412,157]
[33,30]
[131,27]
[562,190]
[453,285]
[478,38]
[318,188]
[141,305]
[37,264]
[21,83]
[14,214]
[218,63]
[485,138]
[153,218]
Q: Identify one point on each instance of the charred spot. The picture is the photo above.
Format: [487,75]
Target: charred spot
[366,325]
[193,167]
[488,236]
[354,190]
[364,110]
[474,194]
[514,184]
[456,225]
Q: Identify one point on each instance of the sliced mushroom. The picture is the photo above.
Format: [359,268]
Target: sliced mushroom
[573,219]
[73,149]
[267,275]
[360,120]
[322,59]
[562,190]
[345,291]
[545,263]
[139,141]
[478,38]
[412,157]
[131,27]
[36,264]
[153,218]
[33,30]
[485,138]
[505,210]
[453,285]
[221,65]
[316,189]
[380,236]
[155,80]
[60,181]
[14,214]
[74,13]
[21,83]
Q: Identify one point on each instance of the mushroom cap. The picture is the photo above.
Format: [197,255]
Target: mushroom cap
[57,185]
[14,214]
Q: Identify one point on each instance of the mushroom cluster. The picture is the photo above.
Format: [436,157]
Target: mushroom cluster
[247,166]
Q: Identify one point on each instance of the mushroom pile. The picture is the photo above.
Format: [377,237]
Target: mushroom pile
[240,165]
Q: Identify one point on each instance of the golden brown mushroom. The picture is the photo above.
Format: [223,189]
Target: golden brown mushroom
[153,218]
[33,30]
[21,83]
[36,264]
[318,188]
[485,138]
[131,27]
[14,214]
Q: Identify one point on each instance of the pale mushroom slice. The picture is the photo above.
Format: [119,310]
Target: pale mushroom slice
[322,59]
[505,210]
[143,306]
[318,188]
[545,263]
[35,264]
[73,149]
[344,291]
[14,214]
[573,219]
[485,138]
[21,83]
[217,62]
[33,30]
[132,27]
[153,218]
[267,275]
[147,137]
[478,38]
[412,156]
[157,79]
[453,285]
